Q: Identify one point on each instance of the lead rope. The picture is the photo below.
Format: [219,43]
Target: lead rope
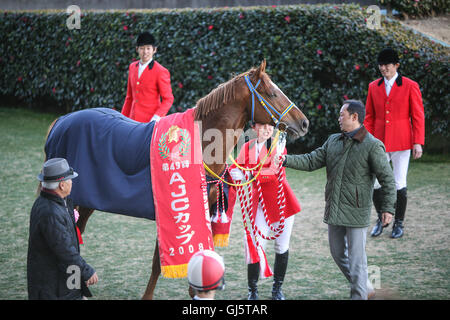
[258,166]
[281,202]
[246,205]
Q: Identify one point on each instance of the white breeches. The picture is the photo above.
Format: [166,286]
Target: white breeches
[400,162]
[282,242]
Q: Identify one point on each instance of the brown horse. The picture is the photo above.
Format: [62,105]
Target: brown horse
[248,96]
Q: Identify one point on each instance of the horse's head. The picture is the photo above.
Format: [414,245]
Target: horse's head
[268,104]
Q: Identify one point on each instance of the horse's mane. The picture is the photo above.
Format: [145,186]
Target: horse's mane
[224,93]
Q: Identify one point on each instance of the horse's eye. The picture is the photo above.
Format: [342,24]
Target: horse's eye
[273,95]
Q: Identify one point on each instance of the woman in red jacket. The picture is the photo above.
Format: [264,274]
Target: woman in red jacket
[251,154]
[149,93]
[395,115]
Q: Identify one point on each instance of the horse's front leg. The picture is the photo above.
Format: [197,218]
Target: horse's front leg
[156,271]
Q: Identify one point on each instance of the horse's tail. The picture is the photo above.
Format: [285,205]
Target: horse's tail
[45,155]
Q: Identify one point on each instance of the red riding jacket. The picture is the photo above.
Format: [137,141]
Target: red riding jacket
[398,120]
[144,94]
[269,182]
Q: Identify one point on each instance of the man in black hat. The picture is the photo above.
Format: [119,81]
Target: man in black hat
[55,269]
[395,115]
[149,93]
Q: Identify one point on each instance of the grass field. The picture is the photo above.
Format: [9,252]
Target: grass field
[120,248]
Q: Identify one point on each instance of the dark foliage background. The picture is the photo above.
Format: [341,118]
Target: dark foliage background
[419,8]
[318,55]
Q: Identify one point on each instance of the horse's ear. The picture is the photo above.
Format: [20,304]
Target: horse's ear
[260,69]
[263,66]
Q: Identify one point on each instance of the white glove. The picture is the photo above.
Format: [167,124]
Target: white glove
[236,174]
[155,118]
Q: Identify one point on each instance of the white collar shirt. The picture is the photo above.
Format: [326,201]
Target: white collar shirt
[259,147]
[143,66]
[388,84]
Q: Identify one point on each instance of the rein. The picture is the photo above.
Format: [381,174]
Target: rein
[257,167]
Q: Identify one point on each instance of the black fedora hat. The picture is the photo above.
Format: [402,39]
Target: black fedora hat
[145,38]
[56,169]
[387,56]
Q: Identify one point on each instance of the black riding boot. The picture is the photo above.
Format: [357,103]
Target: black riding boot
[400,209]
[252,278]
[281,262]
[377,199]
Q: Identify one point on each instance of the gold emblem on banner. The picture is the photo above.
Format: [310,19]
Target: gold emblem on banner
[174,134]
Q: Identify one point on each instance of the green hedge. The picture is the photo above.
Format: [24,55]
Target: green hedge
[419,8]
[319,56]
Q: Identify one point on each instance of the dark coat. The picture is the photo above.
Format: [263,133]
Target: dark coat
[52,248]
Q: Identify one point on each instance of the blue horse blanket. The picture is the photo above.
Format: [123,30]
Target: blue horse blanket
[111,154]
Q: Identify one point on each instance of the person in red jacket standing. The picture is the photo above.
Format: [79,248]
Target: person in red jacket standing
[149,93]
[252,153]
[395,115]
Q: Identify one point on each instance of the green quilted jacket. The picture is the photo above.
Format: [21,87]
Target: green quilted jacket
[352,165]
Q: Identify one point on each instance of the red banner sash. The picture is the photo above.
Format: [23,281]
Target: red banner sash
[179,192]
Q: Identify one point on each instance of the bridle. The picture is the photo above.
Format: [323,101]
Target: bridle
[265,104]
[270,110]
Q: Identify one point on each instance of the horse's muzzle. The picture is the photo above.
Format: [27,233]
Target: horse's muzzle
[304,125]
[295,133]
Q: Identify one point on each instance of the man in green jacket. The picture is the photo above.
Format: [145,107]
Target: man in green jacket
[353,159]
